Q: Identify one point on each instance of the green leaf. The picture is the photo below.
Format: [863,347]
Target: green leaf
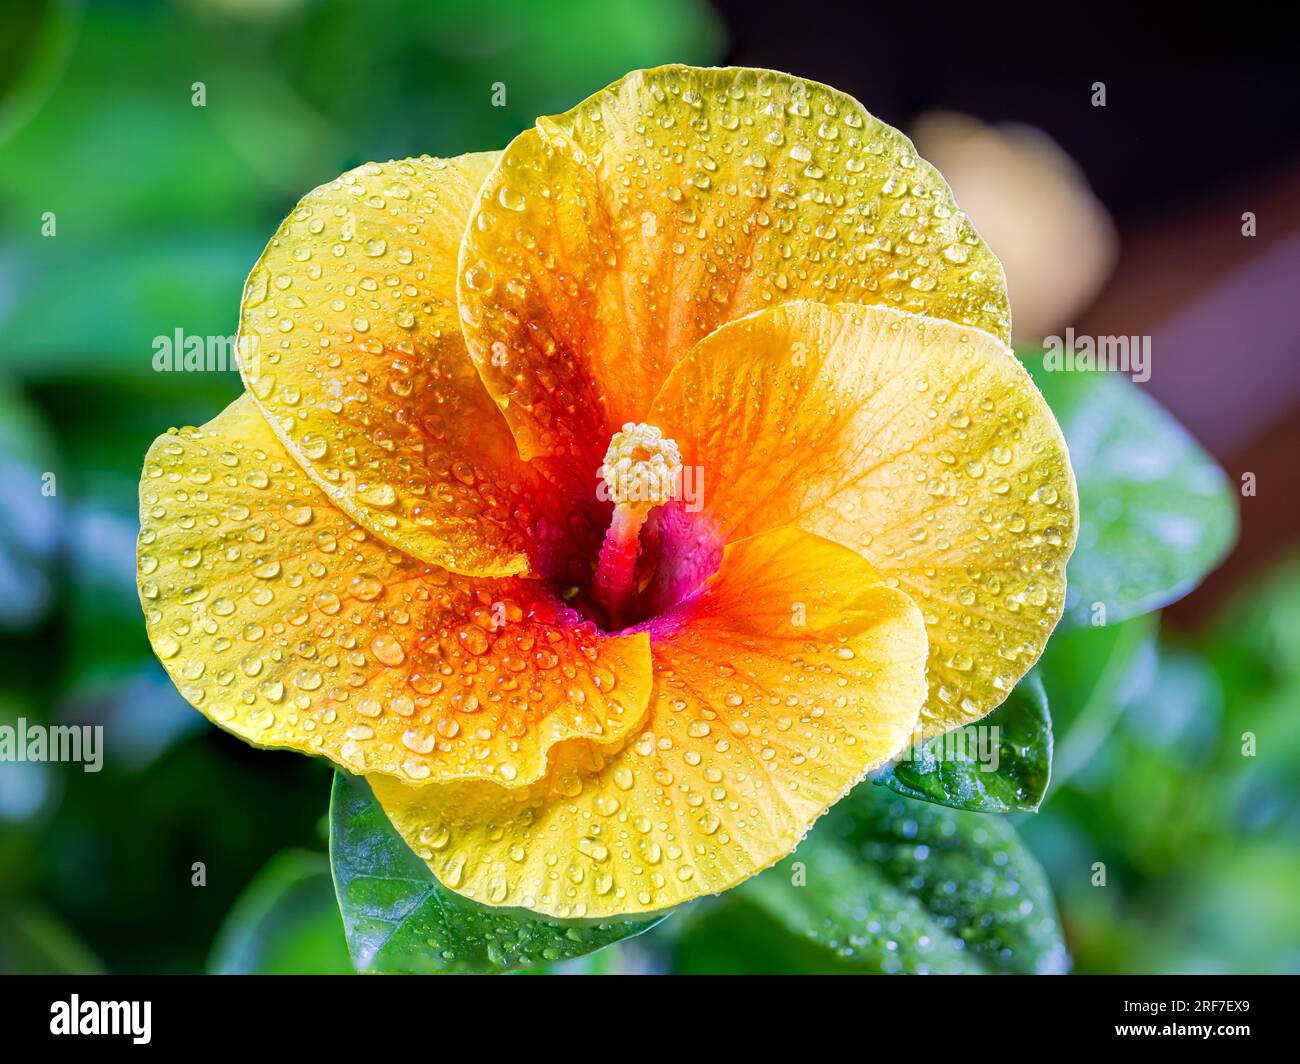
[887,884]
[999,765]
[399,918]
[1156,512]
[285,923]
[1092,675]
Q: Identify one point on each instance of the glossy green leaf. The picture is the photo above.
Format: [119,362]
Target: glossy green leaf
[887,884]
[1155,511]
[285,923]
[399,918]
[998,765]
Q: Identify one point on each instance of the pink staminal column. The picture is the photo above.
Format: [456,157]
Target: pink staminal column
[641,470]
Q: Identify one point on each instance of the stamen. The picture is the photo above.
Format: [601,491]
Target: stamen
[641,467]
[641,471]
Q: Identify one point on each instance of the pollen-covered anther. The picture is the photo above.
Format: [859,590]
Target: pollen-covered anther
[642,468]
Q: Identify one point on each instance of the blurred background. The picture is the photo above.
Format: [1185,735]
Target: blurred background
[129,211]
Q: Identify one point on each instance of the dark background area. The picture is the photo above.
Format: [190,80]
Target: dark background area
[1198,98]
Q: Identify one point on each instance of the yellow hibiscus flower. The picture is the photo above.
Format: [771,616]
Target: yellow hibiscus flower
[616,502]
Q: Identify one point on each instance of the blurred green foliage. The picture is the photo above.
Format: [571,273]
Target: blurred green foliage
[286,922]
[1190,796]
[158,209]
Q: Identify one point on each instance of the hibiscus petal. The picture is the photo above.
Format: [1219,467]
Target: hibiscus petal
[920,444]
[788,677]
[286,623]
[350,342]
[610,239]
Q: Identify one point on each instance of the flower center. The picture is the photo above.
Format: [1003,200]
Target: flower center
[642,470]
